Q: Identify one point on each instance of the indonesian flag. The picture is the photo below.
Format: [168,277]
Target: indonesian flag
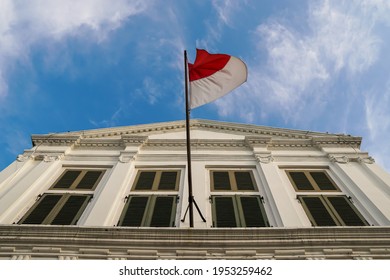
[214,75]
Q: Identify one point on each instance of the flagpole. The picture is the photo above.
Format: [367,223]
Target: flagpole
[188,136]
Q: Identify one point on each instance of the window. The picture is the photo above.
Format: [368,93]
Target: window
[157,181]
[55,207]
[331,210]
[152,201]
[311,180]
[240,205]
[149,211]
[238,211]
[232,181]
[78,180]
[328,206]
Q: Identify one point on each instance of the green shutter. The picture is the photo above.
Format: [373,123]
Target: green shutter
[318,211]
[162,212]
[145,180]
[168,180]
[244,180]
[42,209]
[224,213]
[67,179]
[345,211]
[71,210]
[252,211]
[135,211]
[221,180]
[89,180]
[300,180]
[323,181]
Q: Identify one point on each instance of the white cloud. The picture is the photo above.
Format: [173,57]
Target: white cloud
[377,115]
[317,73]
[24,24]
[299,67]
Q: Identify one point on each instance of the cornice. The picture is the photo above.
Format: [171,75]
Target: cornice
[195,143]
[82,242]
[338,141]
[254,136]
[54,139]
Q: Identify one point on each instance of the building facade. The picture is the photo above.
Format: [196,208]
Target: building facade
[264,193]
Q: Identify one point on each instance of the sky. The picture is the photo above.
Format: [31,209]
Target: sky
[70,65]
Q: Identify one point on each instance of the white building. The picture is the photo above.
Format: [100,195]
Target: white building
[265,193]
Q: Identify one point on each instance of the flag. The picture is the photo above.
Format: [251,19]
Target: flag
[214,75]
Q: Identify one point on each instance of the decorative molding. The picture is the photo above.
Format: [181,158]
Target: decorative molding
[337,141]
[351,158]
[339,159]
[22,158]
[81,242]
[134,140]
[46,157]
[54,139]
[368,160]
[264,158]
[126,157]
[196,143]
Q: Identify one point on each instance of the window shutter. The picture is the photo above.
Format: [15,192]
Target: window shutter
[67,179]
[162,212]
[221,180]
[244,180]
[252,211]
[301,182]
[168,181]
[345,211]
[42,209]
[89,180]
[323,181]
[145,180]
[135,211]
[71,210]
[318,211]
[224,212]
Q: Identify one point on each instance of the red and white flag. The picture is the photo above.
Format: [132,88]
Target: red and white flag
[214,75]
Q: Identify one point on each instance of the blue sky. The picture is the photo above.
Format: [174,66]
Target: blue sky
[77,65]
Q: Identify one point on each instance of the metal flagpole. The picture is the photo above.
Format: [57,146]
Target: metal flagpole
[188,111]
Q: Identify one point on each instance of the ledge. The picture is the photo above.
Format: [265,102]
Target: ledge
[179,243]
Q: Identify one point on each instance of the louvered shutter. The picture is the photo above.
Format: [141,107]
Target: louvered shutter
[300,180]
[318,211]
[67,179]
[89,180]
[162,212]
[252,212]
[323,181]
[345,211]
[145,180]
[244,180]
[135,211]
[224,212]
[168,181]
[71,210]
[221,180]
[42,209]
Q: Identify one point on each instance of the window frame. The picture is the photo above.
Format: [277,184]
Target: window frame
[73,186]
[236,192]
[55,210]
[330,208]
[156,180]
[149,210]
[232,180]
[239,215]
[309,177]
